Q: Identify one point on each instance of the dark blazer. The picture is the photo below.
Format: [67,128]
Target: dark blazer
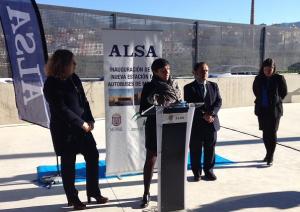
[276,92]
[69,109]
[212,105]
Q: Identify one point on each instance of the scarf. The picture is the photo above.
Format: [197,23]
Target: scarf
[165,92]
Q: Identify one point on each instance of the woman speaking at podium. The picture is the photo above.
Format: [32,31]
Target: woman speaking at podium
[161,90]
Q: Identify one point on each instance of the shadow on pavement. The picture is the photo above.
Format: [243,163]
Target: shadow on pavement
[133,203]
[280,200]
[44,208]
[35,155]
[23,179]
[255,141]
[30,193]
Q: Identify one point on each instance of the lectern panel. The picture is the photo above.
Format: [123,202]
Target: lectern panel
[172,166]
[173,126]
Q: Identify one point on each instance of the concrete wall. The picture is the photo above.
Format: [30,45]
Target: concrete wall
[235,92]
[9,114]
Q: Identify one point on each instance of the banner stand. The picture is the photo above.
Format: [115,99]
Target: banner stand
[128,55]
[27,54]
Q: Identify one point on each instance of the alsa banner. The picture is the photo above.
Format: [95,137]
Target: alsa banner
[128,56]
[27,54]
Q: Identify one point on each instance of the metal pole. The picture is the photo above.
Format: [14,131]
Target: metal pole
[196,58]
[114,17]
[252,13]
[263,44]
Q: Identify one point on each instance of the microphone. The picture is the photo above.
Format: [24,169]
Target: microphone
[196,104]
[145,111]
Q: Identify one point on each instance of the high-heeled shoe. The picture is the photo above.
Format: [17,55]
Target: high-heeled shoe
[265,159]
[270,162]
[99,199]
[70,202]
[77,204]
[145,200]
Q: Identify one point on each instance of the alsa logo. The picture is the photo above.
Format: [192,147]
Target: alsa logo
[25,50]
[137,51]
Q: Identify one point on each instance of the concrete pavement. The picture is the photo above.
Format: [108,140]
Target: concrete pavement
[247,185]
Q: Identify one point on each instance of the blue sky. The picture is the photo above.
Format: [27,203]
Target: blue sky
[236,11]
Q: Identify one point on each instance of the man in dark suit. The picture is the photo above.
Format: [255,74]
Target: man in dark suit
[205,122]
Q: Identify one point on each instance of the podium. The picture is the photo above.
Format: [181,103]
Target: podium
[173,125]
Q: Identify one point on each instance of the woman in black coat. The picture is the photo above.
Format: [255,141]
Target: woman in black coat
[71,124]
[269,89]
[161,90]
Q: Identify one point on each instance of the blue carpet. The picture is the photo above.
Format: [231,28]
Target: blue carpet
[220,161]
[43,171]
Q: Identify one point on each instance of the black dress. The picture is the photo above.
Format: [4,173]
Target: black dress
[167,92]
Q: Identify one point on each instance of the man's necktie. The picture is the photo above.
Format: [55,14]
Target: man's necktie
[202,90]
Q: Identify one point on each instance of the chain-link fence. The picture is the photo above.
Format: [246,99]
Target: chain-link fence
[226,47]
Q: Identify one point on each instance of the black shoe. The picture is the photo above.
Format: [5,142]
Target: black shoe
[145,200]
[99,199]
[270,162]
[210,176]
[70,202]
[196,178]
[265,159]
[77,204]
